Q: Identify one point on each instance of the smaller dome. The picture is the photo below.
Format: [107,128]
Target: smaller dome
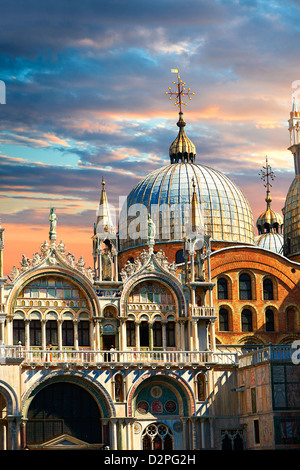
[182,149]
[270,241]
[269,220]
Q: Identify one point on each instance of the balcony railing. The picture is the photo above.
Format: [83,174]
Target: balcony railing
[83,357]
[11,354]
[203,311]
[269,353]
[56,357]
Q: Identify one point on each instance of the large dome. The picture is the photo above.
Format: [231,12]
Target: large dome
[291,213]
[226,211]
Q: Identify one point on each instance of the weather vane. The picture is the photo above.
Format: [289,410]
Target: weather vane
[180,92]
[266,173]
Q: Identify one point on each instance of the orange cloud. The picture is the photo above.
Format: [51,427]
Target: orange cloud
[23,239]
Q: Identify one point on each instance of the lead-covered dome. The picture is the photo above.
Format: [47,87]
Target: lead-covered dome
[173,193]
[226,211]
[291,213]
[270,241]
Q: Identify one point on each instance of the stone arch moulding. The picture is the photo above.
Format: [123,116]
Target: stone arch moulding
[11,398]
[251,339]
[153,374]
[276,265]
[98,392]
[172,284]
[72,276]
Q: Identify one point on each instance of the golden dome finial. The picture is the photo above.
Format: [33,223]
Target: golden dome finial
[182,149]
[180,92]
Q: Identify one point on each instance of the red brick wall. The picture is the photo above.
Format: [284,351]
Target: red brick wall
[258,264]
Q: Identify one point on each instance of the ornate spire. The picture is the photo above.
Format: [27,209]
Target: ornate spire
[294,128]
[182,149]
[105,226]
[196,222]
[269,220]
[267,174]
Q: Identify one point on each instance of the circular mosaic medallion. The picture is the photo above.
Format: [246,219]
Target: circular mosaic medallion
[170,406]
[156,391]
[143,407]
[177,426]
[137,427]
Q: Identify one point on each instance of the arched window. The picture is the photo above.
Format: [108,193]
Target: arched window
[84,333]
[68,333]
[268,289]
[35,333]
[201,387]
[222,288]
[144,334]
[130,333]
[51,332]
[247,320]
[269,320]
[223,320]
[63,408]
[179,257]
[157,436]
[245,287]
[119,388]
[170,330]
[18,332]
[157,334]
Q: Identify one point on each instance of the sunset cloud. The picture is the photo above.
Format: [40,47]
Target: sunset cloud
[86,98]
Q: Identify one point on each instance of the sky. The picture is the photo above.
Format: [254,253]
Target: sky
[85,85]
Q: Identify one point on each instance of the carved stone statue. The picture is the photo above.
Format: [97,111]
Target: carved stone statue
[52,218]
[151,229]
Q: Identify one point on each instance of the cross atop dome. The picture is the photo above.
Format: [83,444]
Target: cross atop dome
[182,149]
[269,221]
[267,174]
[180,93]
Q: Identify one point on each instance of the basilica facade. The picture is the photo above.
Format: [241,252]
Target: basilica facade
[179,337]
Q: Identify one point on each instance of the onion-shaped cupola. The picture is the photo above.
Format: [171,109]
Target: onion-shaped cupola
[270,223]
[182,149]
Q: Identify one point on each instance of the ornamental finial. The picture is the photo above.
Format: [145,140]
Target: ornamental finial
[266,173]
[180,93]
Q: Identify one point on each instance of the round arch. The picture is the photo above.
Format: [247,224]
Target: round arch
[180,388]
[170,284]
[99,393]
[251,340]
[11,398]
[67,274]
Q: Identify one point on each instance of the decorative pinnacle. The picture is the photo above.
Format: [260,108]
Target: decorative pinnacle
[266,173]
[180,92]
